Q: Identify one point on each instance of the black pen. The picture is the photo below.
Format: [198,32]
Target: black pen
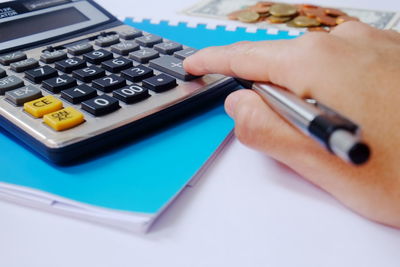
[338,134]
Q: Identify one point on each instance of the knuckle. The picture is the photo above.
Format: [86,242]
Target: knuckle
[314,41]
[251,128]
[356,28]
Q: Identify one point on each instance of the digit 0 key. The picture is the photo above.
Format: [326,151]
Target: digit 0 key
[101,105]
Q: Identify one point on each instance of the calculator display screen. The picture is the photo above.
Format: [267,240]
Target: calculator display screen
[40,23]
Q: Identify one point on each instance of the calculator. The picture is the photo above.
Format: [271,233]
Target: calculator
[74,80]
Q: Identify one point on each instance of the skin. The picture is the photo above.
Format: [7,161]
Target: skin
[355,70]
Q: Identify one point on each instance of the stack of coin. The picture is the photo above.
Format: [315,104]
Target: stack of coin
[313,17]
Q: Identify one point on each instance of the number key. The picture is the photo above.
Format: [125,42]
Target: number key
[101,105]
[98,56]
[79,94]
[89,74]
[138,73]
[57,84]
[117,64]
[109,83]
[70,64]
[131,94]
[40,74]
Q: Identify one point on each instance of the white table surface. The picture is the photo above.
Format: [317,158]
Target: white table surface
[247,210]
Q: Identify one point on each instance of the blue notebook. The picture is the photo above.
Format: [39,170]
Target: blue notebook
[129,187]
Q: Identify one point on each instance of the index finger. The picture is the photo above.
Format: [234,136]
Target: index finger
[281,62]
[248,60]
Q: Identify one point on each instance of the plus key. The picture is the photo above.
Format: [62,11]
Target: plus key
[172,66]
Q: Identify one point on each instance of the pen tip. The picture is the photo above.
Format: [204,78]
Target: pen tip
[359,153]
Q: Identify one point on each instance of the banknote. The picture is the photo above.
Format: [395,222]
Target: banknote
[219,9]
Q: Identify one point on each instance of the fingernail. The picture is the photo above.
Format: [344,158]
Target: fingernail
[230,104]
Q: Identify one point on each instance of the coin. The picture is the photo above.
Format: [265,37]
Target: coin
[327,20]
[334,12]
[342,19]
[264,3]
[248,16]
[275,20]
[313,12]
[303,21]
[313,17]
[260,9]
[234,15]
[283,10]
[318,29]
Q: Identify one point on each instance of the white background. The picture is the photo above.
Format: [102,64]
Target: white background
[246,211]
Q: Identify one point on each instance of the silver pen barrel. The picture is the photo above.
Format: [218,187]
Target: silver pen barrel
[288,105]
[337,133]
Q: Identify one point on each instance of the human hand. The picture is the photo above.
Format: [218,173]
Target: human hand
[355,70]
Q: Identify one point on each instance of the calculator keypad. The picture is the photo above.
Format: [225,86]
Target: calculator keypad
[71,86]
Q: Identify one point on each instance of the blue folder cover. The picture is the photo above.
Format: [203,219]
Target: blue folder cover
[142,177]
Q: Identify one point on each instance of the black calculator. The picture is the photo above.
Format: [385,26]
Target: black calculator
[74,79]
